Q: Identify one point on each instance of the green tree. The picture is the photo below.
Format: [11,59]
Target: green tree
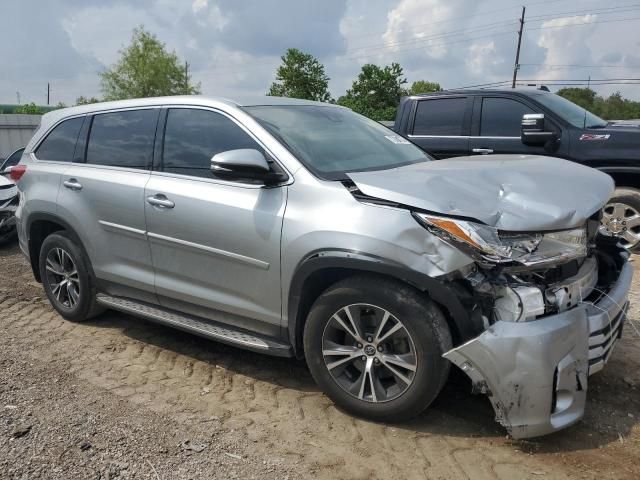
[585,97]
[614,107]
[376,92]
[29,108]
[82,100]
[301,75]
[423,86]
[146,69]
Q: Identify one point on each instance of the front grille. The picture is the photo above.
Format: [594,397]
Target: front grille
[602,341]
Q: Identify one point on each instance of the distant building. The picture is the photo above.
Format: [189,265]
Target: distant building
[15,131]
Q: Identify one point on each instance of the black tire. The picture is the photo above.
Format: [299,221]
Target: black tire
[424,323]
[631,199]
[85,306]
[8,236]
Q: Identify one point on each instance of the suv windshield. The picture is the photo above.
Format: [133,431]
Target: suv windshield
[569,111]
[332,141]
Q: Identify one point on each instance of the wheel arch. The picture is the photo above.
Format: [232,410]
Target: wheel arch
[39,227]
[623,176]
[322,269]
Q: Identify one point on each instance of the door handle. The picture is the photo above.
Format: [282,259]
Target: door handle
[160,201]
[72,184]
[483,151]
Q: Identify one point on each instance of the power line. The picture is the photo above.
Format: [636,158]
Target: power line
[628,67]
[544,27]
[555,82]
[439,35]
[596,11]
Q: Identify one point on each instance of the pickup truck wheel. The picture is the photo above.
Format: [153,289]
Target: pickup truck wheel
[621,218]
[375,347]
[66,278]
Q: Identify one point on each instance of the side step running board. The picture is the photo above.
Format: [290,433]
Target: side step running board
[197,326]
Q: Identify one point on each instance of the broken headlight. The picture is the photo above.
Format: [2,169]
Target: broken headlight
[490,245]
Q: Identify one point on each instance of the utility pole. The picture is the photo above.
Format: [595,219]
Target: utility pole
[516,67]
[48,92]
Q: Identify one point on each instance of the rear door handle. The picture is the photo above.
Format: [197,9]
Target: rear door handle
[160,201]
[483,151]
[72,184]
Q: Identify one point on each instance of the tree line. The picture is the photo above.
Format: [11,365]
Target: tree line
[147,69]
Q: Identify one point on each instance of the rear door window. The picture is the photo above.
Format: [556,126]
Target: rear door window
[123,139]
[193,136]
[440,117]
[502,117]
[61,141]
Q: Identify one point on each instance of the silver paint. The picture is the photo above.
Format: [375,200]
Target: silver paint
[517,193]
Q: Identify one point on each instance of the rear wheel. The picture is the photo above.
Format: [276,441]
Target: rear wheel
[621,219]
[375,347]
[66,278]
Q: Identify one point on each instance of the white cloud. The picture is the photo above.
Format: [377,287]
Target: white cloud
[565,45]
[413,21]
[482,58]
[198,5]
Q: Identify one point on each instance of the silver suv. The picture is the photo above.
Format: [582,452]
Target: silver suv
[302,229]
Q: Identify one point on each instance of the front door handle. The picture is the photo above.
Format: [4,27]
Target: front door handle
[160,201]
[483,151]
[72,184]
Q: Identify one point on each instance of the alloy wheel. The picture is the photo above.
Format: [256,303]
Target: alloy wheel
[62,276]
[369,353]
[622,221]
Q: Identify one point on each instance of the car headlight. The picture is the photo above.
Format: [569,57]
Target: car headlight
[491,245]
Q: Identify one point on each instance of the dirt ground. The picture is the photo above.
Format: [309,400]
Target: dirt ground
[119,397]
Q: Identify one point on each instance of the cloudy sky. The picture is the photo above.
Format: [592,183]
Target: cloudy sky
[233,46]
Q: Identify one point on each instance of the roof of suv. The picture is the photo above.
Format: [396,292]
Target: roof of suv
[196,100]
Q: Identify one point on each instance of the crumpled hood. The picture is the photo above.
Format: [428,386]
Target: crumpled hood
[509,192]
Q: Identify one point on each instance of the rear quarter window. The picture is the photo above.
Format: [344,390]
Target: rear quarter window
[60,143]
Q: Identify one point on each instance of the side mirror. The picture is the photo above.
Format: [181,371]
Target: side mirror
[244,164]
[534,132]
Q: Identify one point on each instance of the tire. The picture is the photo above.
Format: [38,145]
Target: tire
[384,396]
[621,218]
[8,236]
[81,306]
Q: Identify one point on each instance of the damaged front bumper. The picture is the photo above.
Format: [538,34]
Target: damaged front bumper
[535,373]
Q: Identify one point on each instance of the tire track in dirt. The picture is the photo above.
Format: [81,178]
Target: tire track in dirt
[272,401]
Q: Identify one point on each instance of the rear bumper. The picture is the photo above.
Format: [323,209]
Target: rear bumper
[535,373]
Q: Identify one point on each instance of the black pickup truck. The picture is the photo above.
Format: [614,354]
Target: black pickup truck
[533,122]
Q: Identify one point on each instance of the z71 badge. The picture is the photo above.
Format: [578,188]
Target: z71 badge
[593,137]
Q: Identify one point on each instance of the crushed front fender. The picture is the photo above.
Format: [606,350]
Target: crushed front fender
[534,373]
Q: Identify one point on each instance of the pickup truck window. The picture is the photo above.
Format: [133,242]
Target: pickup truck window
[502,117]
[569,111]
[440,117]
[333,141]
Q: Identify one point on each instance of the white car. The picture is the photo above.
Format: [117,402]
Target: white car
[8,199]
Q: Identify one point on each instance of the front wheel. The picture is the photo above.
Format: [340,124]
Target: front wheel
[375,345]
[621,219]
